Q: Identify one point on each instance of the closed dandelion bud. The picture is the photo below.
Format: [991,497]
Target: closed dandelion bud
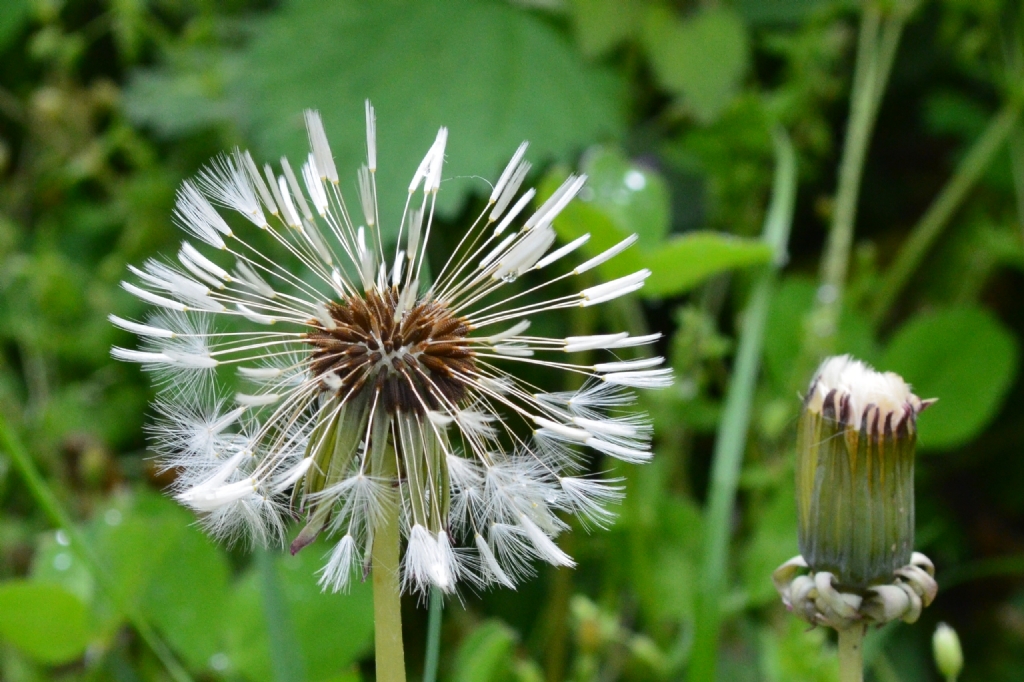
[855,472]
[949,657]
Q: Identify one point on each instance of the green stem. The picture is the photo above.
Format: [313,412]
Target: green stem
[285,659]
[59,517]
[1017,167]
[732,429]
[888,45]
[927,230]
[433,636]
[387,596]
[851,654]
[871,72]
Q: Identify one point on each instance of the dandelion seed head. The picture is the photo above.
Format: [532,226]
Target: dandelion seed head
[364,388]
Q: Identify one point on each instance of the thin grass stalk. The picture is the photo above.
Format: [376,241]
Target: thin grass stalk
[871,71]
[732,429]
[285,659]
[48,502]
[928,229]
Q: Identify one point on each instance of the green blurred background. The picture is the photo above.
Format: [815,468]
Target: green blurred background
[680,111]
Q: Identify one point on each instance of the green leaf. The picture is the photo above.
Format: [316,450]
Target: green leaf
[602,24]
[963,356]
[13,14]
[684,262]
[703,57]
[54,562]
[621,199]
[334,630]
[187,595]
[633,196]
[583,217]
[44,620]
[178,101]
[131,549]
[494,74]
[166,567]
[486,654]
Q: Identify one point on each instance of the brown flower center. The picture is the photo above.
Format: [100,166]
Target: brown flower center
[419,362]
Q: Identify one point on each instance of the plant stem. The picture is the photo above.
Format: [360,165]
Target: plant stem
[1017,167]
[851,654]
[59,517]
[387,596]
[870,73]
[285,660]
[732,429]
[433,636]
[927,230]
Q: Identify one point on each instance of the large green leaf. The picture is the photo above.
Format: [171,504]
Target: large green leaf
[333,630]
[132,548]
[964,357]
[703,57]
[163,565]
[494,74]
[44,620]
[683,262]
[187,97]
[602,24]
[187,595]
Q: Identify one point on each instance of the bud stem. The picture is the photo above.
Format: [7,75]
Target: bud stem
[851,654]
[387,602]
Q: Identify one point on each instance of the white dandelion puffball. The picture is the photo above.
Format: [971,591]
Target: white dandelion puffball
[367,388]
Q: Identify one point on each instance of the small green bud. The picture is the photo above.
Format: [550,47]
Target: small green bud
[855,473]
[949,657]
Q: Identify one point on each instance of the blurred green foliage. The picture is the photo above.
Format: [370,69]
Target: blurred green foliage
[669,106]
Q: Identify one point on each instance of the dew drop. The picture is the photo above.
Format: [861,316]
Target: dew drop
[62,561]
[220,662]
[635,180]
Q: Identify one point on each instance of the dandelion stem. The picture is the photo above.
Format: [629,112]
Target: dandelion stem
[387,601]
[59,517]
[732,429]
[851,654]
[433,636]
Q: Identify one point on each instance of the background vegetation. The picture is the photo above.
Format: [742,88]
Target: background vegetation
[692,117]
